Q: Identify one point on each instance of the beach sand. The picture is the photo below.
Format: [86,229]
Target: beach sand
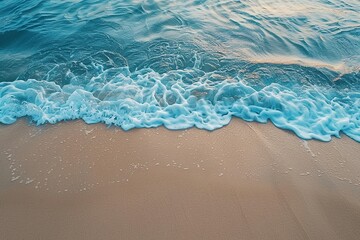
[244,181]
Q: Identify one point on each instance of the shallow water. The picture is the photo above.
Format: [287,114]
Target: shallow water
[183,63]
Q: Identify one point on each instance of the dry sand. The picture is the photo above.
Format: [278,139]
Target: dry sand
[244,181]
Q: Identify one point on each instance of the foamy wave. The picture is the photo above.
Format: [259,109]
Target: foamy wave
[182,99]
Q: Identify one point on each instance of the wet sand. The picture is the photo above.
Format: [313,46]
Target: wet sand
[244,181]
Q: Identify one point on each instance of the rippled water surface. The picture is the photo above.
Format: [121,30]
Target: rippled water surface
[183,63]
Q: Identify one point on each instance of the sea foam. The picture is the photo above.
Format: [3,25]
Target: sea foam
[181,99]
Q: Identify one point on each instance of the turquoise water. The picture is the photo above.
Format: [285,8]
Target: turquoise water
[183,64]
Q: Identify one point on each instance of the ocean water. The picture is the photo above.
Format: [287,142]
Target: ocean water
[182,64]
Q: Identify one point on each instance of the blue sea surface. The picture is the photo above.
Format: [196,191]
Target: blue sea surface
[182,64]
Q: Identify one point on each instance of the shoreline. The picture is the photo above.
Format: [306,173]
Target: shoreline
[244,181]
[30,123]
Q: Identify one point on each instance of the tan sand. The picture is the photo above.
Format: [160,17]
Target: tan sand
[244,181]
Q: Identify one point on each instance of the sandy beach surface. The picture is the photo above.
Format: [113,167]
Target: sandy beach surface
[244,181]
